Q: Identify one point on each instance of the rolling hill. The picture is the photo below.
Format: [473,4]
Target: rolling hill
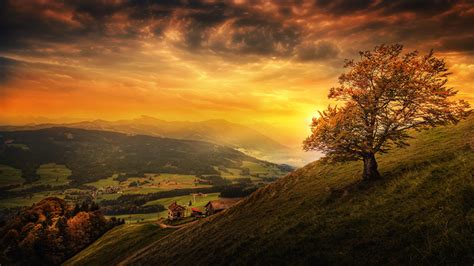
[92,155]
[421,212]
[220,132]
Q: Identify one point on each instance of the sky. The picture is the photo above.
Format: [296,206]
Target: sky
[266,64]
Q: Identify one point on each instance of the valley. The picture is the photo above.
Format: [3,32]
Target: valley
[219,131]
[88,165]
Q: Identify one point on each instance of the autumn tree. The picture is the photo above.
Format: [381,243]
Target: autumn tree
[385,93]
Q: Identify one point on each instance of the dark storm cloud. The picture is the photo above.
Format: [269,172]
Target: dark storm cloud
[201,20]
[416,6]
[339,7]
[343,7]
[6,69]
[264,36]
[252,29]
[462,44]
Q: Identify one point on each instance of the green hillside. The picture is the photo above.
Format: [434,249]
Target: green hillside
[215,131]
[420,213]
[118,243]
[93,155]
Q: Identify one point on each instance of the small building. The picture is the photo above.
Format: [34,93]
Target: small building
[215,206]
[195,212]
[176,211]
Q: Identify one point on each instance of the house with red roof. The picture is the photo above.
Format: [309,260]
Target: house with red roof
[196,212]
[215,206]
[176,211]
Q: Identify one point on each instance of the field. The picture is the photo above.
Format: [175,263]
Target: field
[19,146]
[256,170]
[139,217]
[105,182]
[110,188]
[231,173]
[53,174]
[10,176]
[56,174]
[50,174]
[27,200]
[152,182]
[122,240]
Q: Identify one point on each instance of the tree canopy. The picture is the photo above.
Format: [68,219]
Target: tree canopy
[384,93]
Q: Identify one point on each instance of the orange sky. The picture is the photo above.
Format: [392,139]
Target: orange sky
[260,63]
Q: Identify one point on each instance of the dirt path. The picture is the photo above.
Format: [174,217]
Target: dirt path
[162,225]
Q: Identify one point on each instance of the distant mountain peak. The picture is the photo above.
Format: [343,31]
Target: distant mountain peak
[218,131]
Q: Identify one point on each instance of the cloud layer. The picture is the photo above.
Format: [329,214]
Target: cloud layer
[270,61]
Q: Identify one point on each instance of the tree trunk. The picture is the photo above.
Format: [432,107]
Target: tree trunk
[370,167]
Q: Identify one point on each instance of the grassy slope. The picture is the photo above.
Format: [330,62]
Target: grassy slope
[119,243]
[421,212]
[53,174]
[10,176]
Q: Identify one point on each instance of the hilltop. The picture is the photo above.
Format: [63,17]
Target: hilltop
[216,131]
[421,212]
[92,154]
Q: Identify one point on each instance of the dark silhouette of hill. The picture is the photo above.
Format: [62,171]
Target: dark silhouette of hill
[93,154]
[216,131]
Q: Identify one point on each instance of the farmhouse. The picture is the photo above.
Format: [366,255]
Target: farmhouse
[195,212]
[215,206]
[176,211]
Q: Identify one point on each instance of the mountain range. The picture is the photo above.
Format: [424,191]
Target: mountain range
[222,132]
[97,154]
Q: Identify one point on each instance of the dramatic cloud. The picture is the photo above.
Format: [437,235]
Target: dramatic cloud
[317,51]
[244,60]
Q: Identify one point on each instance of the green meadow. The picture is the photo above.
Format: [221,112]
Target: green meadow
[53,174]
[10,176]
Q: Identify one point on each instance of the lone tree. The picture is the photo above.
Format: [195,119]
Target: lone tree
[385,93]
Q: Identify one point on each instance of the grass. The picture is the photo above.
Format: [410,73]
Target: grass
[106,182]
[230,173]
[139,217]
[10,176]
[108,196]
[156,182]
[255,168]
[19,146]
[27,201]
[118,243]
[259,168]
[52,174]
[421,212]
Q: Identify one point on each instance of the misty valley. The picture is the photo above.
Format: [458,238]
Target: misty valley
[120,170]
